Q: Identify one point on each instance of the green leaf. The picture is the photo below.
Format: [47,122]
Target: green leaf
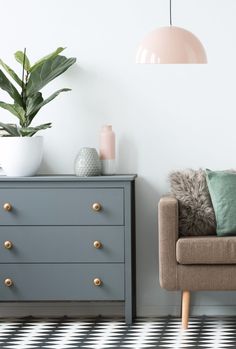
[11,129]
[43,126]
[33,105]
[7,86]
[54,95]
[46,72]
[20,56]
[15,109]
[46,58]
[11,73]
[30,131]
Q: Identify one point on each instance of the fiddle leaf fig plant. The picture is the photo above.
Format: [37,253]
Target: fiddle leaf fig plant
[26,95]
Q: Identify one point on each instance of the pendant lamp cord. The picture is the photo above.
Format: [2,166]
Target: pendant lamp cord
[170,12]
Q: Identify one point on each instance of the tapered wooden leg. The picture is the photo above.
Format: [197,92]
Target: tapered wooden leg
[185,309]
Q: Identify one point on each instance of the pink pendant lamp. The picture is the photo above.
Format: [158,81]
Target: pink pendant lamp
[171,45]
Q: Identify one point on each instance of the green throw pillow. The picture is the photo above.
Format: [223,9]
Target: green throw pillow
[222,188]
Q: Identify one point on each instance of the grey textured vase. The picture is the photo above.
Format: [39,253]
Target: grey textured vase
[87,163]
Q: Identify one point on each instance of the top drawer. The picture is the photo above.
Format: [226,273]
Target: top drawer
[62,206]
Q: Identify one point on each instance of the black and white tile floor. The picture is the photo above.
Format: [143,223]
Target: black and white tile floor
[63,333]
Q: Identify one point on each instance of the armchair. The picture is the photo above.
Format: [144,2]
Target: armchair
[192,263]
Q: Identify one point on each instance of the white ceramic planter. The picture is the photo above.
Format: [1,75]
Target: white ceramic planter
[21,156]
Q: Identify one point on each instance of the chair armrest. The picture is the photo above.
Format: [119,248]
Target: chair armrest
[168,235]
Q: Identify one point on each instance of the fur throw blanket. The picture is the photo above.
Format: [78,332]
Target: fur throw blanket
[196,213]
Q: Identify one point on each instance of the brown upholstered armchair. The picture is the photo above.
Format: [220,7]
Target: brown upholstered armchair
[192,263]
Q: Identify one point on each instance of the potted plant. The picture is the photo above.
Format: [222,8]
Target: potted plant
[21,151]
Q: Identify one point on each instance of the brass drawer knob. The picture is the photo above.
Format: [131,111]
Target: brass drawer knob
[8,282]
[7,207]
[97,282]
[8,244]
[96,207]
[97,244]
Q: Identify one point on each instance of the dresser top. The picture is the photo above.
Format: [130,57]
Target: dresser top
[70,178]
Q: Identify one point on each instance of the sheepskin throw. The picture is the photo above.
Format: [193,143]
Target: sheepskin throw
[196,213]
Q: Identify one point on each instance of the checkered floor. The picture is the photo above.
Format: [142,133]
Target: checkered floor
[62,333]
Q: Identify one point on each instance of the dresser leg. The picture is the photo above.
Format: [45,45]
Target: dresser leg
[130,307]
[129,313]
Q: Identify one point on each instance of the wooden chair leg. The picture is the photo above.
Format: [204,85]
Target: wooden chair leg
[185,309]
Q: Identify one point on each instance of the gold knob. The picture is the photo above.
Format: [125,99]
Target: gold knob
[8,244]
[8,282]
[7,207]
[97,244]
[97,282]
[96,207]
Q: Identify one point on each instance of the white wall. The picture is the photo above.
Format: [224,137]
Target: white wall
[165,117]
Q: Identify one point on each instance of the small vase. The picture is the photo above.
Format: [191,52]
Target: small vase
[107,150]
[87,163]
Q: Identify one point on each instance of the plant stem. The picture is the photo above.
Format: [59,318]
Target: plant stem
[23,83]
[23,74]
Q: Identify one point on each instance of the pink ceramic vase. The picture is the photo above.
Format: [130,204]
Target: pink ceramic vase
[107,150]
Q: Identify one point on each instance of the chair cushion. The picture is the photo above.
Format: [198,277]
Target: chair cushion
[206,250]
[222,187]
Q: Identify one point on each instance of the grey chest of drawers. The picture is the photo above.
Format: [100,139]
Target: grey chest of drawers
[68,238]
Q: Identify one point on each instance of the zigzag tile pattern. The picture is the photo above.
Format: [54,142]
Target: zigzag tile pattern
[69,333]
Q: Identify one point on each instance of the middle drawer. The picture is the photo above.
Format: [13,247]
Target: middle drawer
[64,244]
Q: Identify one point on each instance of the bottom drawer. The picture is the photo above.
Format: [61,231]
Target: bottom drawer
[36,282]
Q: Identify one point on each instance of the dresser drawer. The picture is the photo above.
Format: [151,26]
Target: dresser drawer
[62,206]
[61,282]
[54,244]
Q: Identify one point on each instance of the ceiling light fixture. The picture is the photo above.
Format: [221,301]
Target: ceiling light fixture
[171,45]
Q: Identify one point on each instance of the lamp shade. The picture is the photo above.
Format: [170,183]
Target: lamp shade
[171,45]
